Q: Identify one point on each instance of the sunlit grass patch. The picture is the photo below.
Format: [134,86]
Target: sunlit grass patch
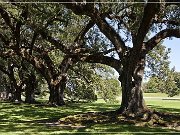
[33,119]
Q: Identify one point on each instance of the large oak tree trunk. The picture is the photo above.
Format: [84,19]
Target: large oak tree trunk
[131,83]
[17,95]
[16,89]
[30,89]
[57,84]
[57,92]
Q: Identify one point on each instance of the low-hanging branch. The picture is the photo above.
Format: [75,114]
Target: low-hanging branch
[96,58]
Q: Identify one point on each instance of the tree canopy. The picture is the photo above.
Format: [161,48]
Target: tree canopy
[54,37]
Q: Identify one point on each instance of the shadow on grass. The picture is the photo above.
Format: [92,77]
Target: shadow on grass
[167,110]
[32,119]
[118,128]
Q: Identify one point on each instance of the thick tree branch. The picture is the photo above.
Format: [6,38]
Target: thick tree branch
[110,61]
[59,45]
[33,42]
[151,43]
[172,22]
[79,8]
[43,54]
[110,33]
[19,23]
[89,10]
[149,12]
[4,39]
[84,31]
[7,54]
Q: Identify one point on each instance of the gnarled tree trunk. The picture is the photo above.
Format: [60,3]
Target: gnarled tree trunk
[16,89]
[131,82]
[57,91]
[30,89]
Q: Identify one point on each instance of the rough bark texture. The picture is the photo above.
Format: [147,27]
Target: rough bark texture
[16,89]
[58,84]
[30,89]
[54,98]
[131,82]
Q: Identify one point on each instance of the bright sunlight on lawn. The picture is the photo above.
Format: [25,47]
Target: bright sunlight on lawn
[36,119]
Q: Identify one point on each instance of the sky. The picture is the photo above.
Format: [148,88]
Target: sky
[174,44]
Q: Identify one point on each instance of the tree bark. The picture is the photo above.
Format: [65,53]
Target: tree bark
[56,97]
[17,95]
[30,89]
[131,83]
[16,91]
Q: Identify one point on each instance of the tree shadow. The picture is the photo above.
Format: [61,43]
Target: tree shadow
[34,119]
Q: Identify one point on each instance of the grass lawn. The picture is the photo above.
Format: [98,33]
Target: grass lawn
[32,119]
[159,95]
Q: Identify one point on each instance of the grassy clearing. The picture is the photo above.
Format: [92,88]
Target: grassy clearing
[32,119]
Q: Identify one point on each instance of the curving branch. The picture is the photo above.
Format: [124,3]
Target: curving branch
[110,33]
[96,58]
[151,43]
[19,23]
[58,44]
[79,7]
[4,39]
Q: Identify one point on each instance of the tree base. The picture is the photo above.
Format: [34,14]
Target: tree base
[56,104]
[131,112]
[149,118]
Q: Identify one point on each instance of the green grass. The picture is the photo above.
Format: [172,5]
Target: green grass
[159,95]
[172,106]
[30,119]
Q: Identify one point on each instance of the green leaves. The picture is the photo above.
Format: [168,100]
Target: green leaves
[169,85]
[109,90]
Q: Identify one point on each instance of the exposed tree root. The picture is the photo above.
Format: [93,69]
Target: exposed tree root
[148,118]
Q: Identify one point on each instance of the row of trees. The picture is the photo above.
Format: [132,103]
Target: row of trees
[26,58]
[54,40]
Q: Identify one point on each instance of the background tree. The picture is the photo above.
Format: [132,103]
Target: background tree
[157,62]
[51,61]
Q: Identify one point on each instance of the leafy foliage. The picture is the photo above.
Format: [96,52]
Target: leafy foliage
[109,90]
[169,85]
[87,82]
[157,62]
